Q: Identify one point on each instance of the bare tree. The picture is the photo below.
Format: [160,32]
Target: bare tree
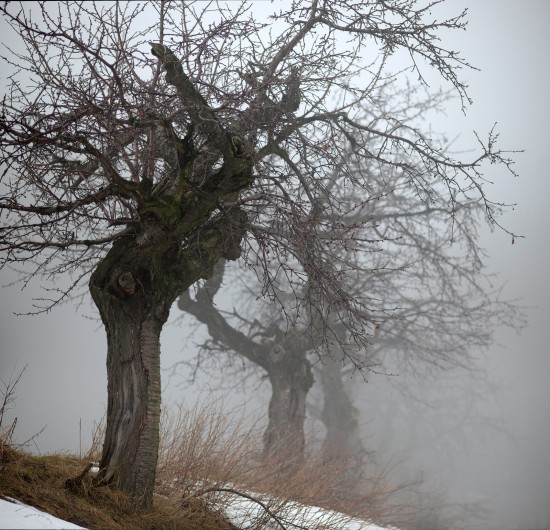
[432,303]
[280,352]
[143,142]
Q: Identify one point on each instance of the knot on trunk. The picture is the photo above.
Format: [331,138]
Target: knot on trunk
[277,353]
[239,147]
[127,283]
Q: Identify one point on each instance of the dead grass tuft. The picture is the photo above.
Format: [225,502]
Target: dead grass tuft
[208,453]
[40,482]
[56,484]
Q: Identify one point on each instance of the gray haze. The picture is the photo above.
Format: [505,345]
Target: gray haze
[64,351]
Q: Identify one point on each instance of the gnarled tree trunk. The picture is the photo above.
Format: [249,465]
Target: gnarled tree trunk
[134,304]
[283,358]
[291,378]
[134,287]
[343,437]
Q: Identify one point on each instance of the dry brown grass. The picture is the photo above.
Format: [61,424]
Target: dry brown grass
[40,482]
[207,459]
[206,451]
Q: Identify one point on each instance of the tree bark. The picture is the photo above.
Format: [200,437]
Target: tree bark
[177,241]
[131,442]
[291,378]
[343,437]
[134,305]
[134,287]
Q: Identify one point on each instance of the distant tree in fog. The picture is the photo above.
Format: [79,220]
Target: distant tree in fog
[142,143]
[432,304]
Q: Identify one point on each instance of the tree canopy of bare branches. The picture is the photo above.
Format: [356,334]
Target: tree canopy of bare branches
[142,142]
[432,303]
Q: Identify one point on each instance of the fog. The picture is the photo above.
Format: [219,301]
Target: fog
[480,436]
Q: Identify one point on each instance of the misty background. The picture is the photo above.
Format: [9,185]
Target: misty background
[471,436]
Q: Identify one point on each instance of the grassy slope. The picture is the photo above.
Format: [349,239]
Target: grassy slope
[40,482]
[201,450]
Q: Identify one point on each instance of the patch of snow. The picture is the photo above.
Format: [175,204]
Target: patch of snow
[15,515]
[245,513]
[243,510]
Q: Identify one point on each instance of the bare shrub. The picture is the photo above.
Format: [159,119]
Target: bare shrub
[208,453]
[204,443]
[93,454]
[7,403]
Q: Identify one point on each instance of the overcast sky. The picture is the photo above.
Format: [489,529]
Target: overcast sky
[64,351]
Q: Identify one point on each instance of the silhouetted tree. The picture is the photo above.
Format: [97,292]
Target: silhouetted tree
[281,353]
[141,143]
[431,302]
